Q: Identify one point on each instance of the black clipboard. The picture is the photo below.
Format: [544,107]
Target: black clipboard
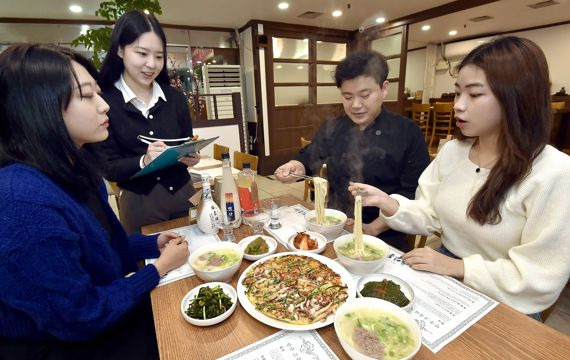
[171,155]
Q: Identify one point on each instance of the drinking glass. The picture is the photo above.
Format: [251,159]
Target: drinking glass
[256,219]
[228,229]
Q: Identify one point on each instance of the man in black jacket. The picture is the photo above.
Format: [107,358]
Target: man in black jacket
[368,144]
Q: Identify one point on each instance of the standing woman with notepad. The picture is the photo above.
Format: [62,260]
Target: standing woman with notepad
[146,116]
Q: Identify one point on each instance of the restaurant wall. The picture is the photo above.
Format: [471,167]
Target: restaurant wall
[552,40]
[415,70]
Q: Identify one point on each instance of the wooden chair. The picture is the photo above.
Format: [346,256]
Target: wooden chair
[416,241]
[115,191]
[219,150]
[304,142]
[421,115]
[419,94]
[240,158]
[442,124]
[557,105]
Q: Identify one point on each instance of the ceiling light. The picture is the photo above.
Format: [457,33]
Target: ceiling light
[452,33]
[146,11]
[213,61]
[283,5]
[278,66]
[380,20]
[426,27]
[75,8]
[336,13]
[300,67]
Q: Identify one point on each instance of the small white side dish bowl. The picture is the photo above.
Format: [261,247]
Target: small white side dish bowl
[366,304]
[225,274]
[404,286]
[321,241]
[361,267]
[329,231]
[227,289]
[271,243]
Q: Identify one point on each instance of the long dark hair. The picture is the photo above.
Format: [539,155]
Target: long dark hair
[517,72]
[36,86]
[130,26]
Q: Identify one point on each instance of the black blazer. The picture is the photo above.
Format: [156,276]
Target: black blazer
[121,152]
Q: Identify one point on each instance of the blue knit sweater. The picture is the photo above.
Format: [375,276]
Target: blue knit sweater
[60,276]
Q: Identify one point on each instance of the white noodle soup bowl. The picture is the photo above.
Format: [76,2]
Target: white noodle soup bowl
[329,231]
[361,267]
[223,275]
[367,303]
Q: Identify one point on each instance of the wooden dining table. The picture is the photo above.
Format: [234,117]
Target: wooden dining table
[503,333]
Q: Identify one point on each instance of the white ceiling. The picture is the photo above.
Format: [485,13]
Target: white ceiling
[508,14]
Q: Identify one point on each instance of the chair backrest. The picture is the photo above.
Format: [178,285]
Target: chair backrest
[421,115]
[240,158]
[442,124]
[219,150]
[304,142]
[419,94]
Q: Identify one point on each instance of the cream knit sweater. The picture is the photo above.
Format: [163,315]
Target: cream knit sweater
[524,261]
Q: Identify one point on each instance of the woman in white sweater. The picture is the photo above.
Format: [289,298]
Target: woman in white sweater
[499,196]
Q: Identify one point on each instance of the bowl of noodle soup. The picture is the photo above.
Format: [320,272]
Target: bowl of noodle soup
[328,222]
[334,222]
[374,255]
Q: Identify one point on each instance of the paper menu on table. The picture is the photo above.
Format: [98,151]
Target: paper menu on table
[196,239]
[286,345]
[443,307]
[292,219]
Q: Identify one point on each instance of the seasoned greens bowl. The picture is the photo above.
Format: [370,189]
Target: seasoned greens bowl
[370,328]
[387,287]
[209,304]
[256,247]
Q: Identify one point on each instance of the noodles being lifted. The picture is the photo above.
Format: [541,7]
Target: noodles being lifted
[321,187]
[358,241]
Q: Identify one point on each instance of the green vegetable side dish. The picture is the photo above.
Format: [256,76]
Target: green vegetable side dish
[385,290]
[257,247]
[209,303]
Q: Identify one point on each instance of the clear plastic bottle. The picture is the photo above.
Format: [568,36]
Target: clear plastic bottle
[247,189]
[209,213]
[229,198]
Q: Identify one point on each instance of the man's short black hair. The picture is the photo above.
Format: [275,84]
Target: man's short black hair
[367,63]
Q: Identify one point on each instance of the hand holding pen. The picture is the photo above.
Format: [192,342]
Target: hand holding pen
[154,149]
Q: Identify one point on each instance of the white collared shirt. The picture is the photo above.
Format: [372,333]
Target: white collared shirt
[130,96]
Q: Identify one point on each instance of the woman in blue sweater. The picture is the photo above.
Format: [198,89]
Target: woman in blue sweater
[64,290]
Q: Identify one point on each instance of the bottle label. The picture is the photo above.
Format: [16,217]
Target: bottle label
[230,209]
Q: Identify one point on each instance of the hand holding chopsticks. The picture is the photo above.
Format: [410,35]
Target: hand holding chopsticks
[290,172]
[372,196]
